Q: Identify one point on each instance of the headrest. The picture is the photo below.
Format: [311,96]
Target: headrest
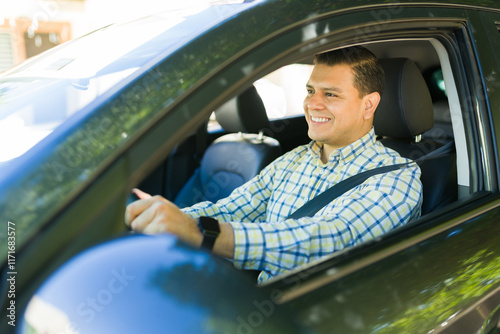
[243,113]
[405,109]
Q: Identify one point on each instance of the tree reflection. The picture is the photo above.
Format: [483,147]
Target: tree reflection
[481,273]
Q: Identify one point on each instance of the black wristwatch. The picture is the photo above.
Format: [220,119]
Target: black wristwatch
[209,227]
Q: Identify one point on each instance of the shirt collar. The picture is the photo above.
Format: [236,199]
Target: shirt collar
[348,152]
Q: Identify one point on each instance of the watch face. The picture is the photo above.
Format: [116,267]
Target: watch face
[209,224]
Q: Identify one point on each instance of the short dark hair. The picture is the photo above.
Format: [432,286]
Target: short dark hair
[368,74]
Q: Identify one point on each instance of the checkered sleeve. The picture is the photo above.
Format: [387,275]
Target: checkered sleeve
[378,205]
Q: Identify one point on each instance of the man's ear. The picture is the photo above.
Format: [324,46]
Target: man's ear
[371,102]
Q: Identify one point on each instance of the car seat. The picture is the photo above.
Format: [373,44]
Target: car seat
[405,112]
[234,158]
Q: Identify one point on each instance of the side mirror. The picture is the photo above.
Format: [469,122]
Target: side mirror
[151,284]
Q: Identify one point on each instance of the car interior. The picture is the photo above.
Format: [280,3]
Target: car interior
[246,133]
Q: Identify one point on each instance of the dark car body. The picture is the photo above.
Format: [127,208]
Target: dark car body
[121,121]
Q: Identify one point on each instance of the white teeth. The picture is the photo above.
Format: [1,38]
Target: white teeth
[319,119]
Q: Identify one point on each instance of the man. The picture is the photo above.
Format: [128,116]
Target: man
[343,92]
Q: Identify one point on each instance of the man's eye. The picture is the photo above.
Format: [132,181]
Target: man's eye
[310,91]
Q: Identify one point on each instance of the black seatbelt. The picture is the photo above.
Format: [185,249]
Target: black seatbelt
[310,208]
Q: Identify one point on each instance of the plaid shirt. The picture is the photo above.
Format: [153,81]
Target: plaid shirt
[265,240]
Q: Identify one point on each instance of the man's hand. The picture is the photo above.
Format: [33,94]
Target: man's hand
[155,214]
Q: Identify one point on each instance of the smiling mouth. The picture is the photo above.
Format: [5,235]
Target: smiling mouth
[320,119]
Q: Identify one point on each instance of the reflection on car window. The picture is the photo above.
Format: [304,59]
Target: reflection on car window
[70,158]
[437,78]
[74,74]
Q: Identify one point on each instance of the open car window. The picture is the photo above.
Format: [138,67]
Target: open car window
[454,115]
[282,92]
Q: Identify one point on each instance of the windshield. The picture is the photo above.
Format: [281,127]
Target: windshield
[40,94]
[83,116]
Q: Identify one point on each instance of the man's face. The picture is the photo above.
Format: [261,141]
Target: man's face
[335,113]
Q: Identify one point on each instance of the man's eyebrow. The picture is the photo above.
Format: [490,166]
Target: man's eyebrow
[328,89]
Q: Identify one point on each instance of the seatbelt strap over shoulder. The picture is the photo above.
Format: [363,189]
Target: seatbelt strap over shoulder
[310,208]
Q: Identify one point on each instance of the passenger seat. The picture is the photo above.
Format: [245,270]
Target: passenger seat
[405,112]
[234,158]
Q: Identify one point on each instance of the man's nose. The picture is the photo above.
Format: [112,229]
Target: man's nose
[314,102]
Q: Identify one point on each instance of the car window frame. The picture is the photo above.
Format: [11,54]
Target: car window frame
[458,84]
